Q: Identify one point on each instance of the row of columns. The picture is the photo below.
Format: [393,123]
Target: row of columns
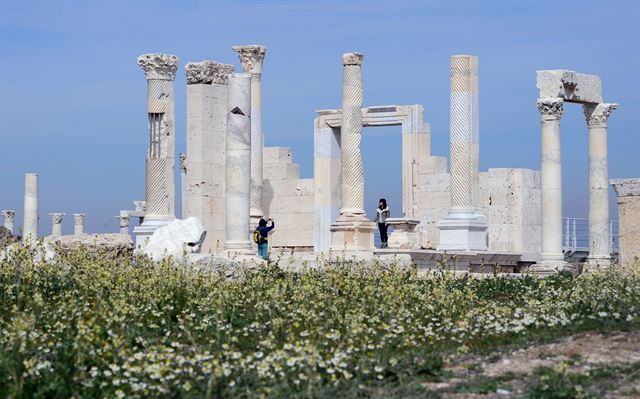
[552,257]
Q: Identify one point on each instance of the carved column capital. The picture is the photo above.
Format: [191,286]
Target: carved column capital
[56,218]
[8,214]
[159,66]
[251,58]
[598,114]
[124,220]
[352,59]
[78,218]
[551,107]
[207,72]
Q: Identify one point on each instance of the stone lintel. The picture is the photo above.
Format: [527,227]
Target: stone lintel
[208,72]
[629,187]
[569,85]
[384,115]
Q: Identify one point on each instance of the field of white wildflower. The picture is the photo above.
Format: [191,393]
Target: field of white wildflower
[81,327]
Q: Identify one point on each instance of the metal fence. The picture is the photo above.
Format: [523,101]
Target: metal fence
[575,235]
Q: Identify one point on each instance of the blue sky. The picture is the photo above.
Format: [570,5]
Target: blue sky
[72,99]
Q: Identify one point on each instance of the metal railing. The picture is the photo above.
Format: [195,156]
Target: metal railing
[575,235]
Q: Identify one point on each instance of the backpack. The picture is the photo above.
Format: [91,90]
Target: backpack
[257,237]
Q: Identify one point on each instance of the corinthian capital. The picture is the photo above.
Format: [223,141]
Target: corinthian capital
[352,59]
[598,114]
[78,218]
[251,58]
[551,107]
[56,218]
[159,66]
[207,72]
[8,214]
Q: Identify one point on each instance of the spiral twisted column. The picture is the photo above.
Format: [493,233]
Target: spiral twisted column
[597,116]
[351,136]
[160,70]
[252,58]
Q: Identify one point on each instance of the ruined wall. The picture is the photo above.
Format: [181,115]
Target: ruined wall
[287,199]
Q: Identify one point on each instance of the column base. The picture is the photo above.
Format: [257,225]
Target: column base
[405,233]
[352,233]
[147,228]
[463,231]
[242,248]
[549,267]
[594,263]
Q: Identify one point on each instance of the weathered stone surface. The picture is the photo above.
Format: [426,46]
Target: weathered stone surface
[176,239]
[569,85]
[6,237]
[113,245]
[628,192]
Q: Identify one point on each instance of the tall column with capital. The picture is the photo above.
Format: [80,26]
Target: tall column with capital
[160,70]
[352,231]
[31,217]
[238,165]
[56,224]
[251,58]
[552,258]
[465,227]
[124,223]
[8,215]
[78,223]
[599,233]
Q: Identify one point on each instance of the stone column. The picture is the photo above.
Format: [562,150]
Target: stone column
[56,224]
[31,217]
[182,159]
[78,223]
[9,216]
[628,193]
[160,70]
[352,231]
[206,114]
[124,224]
[465,227]
[251,58]
[238,165]
[599,233]
[552,258]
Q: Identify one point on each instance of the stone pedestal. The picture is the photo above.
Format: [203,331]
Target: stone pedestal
[160,70]
[628,193]
[405,233]
[31,217]
[78,223]
[8,215]
[238,165]
[352,231]
[252,58]
[56,224]
[465,227]
[599,231]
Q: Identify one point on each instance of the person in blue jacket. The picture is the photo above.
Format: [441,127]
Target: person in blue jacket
[263,238]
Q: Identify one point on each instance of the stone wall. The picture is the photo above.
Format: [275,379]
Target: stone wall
[287,199]
[510,198]
[628,193]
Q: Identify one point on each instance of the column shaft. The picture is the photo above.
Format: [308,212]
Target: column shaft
[30,222]
[78,223]
[257,146]
[9,216]
[56,224]
[238,164]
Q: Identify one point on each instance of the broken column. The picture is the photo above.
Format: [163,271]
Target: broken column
[30,222]
[628,194]
[123,220]
[551,259]
[599,232]
[352,231]
[160,70]
[56,224]
[78,223]
[238,165]
[8,215]
[251,58]
[465,227]
[204,161]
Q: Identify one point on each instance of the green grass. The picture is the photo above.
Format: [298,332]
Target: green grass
[86,327]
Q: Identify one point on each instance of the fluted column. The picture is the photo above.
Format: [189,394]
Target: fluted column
[251,58]
[56,224]
[552,258]
[597,116]
[238,164]
[160,70]
[8,215]
[31,218]
[465,227]
[78,223]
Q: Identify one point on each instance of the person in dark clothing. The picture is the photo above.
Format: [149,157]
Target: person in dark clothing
[263,239]
[382,214]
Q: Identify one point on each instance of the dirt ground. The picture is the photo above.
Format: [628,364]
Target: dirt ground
[590,365]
